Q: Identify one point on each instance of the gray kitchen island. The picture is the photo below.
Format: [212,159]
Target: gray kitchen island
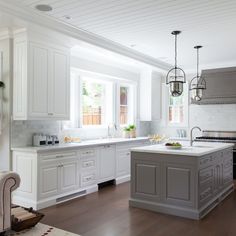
[188,182]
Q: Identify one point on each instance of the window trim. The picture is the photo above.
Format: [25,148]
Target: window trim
[165,111]
[116,83]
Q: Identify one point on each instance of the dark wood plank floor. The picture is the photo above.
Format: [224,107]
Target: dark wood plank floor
[107,213]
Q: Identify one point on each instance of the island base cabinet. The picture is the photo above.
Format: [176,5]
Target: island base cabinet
[186,186]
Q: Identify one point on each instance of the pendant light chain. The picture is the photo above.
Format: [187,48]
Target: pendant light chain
[197,63]
[175,56]
[176,76]
[198,83]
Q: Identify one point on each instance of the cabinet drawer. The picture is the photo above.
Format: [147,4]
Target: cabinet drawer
[88,178]
[228,164]
[87,152]
[205,175]
[57,156]
[88,164]
[228,153]
[205,194]
[205,161]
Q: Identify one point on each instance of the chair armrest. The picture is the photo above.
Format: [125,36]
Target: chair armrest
[9,181]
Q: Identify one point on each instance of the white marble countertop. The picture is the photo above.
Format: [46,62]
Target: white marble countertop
[198,149]
[87,143]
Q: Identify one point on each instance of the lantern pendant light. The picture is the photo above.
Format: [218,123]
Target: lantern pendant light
[176,76]
[198,83]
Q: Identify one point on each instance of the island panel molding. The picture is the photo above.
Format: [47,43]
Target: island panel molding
[186,185]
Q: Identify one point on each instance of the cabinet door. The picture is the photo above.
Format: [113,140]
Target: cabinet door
[38,80]
[69,175]
[60,85]
[179,184]
[146,180]
[123,163]
[49,184]
[107,163]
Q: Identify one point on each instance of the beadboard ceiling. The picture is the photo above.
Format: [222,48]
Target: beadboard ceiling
[146,25]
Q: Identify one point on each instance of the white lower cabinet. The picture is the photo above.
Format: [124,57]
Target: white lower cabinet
[88,166]
[51,177]
[107,163]
[123,163]
[58,176]
[69,173]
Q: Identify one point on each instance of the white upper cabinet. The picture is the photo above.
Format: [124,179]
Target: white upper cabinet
[150,95]
[41,79]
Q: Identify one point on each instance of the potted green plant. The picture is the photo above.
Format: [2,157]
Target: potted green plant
[126,132]
[132,132]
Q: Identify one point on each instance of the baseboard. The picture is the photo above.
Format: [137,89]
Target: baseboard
[164,208]
[47,202]
[194,214]
[122,179]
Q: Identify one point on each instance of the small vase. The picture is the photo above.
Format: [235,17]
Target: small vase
[133,133]
[126,134]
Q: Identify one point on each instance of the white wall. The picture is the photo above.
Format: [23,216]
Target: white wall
[6,48]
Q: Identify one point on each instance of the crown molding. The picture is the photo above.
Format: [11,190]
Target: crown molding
[5,33]
[11,7]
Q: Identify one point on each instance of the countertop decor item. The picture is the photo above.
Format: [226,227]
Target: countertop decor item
[129,131]
[176,76]
[198,83]
[156,138]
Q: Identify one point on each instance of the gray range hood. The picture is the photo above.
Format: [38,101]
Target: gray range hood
[221,86]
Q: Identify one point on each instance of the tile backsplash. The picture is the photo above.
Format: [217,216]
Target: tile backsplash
[22,131]
[213,117]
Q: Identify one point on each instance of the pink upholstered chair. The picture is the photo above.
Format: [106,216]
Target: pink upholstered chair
[9,181]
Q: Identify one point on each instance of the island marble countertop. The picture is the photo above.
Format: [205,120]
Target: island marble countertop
[198,149]
[87,143]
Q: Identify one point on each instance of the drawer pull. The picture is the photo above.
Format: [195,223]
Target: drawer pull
[59,156]
[88,164]
[89,178]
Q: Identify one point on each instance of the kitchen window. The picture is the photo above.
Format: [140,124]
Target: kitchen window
[175,109]
[126,104]
[178,109]
[98,101]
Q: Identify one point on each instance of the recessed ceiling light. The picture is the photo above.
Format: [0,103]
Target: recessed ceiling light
[43,7]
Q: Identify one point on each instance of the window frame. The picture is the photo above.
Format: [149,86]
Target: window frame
[116,83]
[166,105]
[130,103]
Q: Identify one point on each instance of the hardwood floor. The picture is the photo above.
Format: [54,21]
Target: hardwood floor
[107,213]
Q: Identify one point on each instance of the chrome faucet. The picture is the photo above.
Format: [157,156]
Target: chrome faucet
[109,133]
[191,134]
